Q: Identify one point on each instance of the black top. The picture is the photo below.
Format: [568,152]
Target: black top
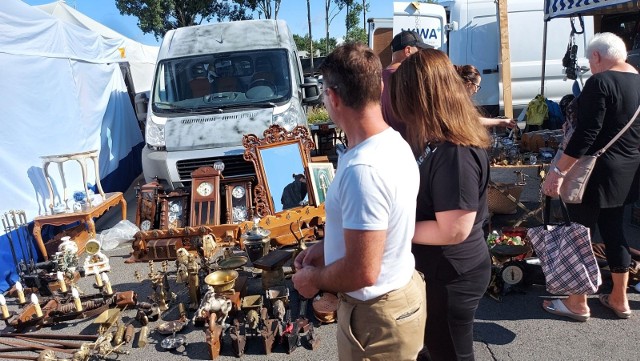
[607,102]
[453,177]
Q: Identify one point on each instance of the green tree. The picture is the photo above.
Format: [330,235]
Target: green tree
[356,34]
[302,42]
[353,14]
[326,46]
[265,7]
[159,16]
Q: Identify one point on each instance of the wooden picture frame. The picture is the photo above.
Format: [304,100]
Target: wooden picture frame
[274,156]
[320,176]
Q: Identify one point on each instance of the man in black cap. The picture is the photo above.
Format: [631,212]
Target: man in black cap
[403,44]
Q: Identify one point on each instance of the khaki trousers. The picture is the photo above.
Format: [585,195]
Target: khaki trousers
[388,327]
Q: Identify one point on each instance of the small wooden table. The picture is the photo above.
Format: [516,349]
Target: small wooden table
[84,216]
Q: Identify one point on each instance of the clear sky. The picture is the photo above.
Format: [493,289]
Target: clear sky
[294,12]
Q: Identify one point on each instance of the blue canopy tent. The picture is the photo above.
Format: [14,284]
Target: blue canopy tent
[571,8]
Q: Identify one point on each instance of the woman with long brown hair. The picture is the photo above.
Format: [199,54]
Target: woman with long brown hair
[449,142]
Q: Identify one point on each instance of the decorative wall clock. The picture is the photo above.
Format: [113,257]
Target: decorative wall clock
[147,210]
[205,195]
[238,200]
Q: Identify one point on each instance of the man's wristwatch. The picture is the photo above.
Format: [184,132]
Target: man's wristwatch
[557,171]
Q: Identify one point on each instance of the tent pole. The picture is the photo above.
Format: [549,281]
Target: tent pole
[544,57]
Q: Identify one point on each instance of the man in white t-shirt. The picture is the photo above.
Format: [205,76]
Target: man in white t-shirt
[365,256]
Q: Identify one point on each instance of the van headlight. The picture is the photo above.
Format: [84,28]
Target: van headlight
[154,135]
[291,117]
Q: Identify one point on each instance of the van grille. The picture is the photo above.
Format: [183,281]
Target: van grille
[234,166]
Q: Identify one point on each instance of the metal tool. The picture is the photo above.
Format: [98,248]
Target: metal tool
[19,223]
[7,230]
[11,214]
[30,262]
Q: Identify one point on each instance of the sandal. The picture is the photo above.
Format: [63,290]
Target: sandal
[558,308]
[604,299]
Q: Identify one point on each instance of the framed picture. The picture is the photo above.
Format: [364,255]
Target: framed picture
[321,176]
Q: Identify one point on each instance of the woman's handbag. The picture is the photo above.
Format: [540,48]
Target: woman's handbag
[566,256]
[576,179]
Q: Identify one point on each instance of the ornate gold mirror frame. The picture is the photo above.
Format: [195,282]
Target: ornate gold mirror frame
[277,158]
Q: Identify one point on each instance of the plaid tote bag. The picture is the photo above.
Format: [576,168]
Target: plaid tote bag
[566,256]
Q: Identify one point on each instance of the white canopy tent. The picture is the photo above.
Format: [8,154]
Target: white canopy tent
[61,91]
[141,58]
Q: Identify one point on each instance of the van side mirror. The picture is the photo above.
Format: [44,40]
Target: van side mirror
[142,103]
[453,26]
[311,91]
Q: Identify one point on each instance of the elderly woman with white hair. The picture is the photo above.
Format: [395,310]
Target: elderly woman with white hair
[606,104]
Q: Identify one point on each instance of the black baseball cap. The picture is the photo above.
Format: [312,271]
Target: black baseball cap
[408,38]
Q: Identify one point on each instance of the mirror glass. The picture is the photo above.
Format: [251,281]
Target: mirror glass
[280,158]
[285,176]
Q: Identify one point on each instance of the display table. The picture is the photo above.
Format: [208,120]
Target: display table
[85,216]
[326,136]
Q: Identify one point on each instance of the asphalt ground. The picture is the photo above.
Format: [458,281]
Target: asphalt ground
[513,328]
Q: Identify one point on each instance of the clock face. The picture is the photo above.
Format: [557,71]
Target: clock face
[205,189]
[239,213]
[238,192]
[145,225]
[512,274]
[92,246]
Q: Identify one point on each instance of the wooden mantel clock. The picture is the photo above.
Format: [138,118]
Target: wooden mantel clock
[205,196]
[147,211]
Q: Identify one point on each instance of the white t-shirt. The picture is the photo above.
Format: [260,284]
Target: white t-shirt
[375,188]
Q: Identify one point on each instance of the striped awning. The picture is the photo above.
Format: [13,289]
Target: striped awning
[567,8]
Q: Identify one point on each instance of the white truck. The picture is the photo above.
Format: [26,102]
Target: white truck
[468,31]
[213,84]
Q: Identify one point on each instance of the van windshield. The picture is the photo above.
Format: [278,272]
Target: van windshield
[228,80]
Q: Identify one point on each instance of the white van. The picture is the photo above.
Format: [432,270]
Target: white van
[213,84]
[468,31]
